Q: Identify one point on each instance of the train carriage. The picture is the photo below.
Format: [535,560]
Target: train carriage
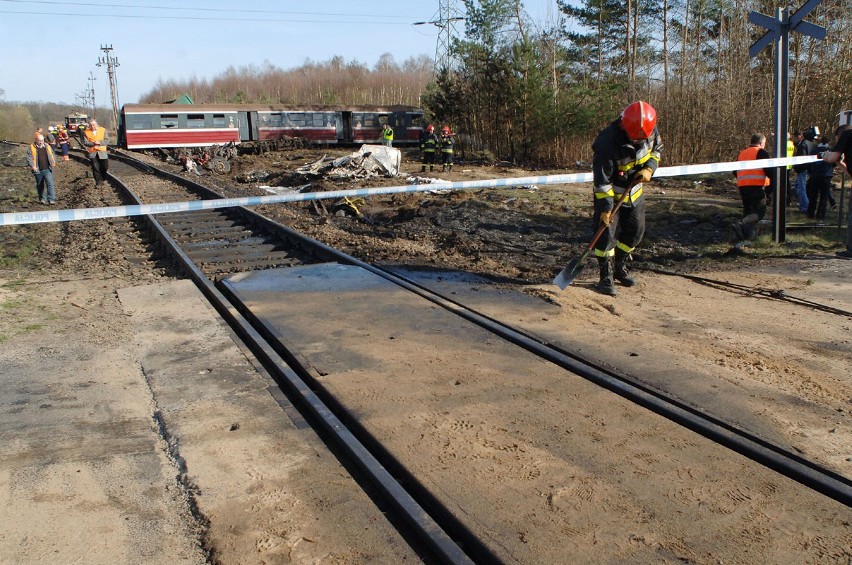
[76,122]
[145,126]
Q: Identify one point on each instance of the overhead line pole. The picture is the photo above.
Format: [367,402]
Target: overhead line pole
[111,63]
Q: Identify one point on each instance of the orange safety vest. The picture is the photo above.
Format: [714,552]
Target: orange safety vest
[751,177]
[95,136]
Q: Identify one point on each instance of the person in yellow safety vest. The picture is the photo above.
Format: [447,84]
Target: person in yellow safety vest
[387,136]
[95,140]
[626,154]
[753,185]
[41,161]
[791,150]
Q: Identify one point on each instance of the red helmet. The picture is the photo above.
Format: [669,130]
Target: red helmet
[445,130]
[638,120]
[430,128]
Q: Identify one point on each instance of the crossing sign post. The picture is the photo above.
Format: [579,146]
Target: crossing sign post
[778,31]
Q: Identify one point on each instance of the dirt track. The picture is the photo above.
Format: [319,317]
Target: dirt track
[779,369]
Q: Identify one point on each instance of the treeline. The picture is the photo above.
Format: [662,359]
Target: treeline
[542,93]
[538,93]
[333,82]
[18,120]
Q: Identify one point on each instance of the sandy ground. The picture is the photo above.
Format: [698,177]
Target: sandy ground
[115,451]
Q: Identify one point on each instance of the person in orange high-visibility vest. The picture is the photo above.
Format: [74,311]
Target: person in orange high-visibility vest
[95,140]
[753,185]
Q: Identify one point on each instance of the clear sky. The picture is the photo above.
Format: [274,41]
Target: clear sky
[50,48]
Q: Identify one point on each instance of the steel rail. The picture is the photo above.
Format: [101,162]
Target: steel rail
[429,533]
[741,441]
[774,457]
[754,290]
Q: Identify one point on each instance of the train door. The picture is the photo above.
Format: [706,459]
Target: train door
[248,125]
[345,136]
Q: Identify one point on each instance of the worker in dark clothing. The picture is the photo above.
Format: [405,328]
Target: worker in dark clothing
[753,185]
[447,143]
[805,147]
[819,183]
[428,147]
[841,154]
[626,154]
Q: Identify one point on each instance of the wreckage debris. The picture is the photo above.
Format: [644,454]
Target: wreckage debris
[367,162]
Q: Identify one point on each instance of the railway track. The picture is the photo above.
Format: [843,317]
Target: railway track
[213,245]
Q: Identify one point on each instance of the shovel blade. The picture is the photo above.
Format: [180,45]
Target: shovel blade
[567,275]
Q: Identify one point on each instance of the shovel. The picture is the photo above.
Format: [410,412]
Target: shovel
[567,275]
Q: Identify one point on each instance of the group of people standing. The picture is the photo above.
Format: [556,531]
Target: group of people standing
[813,180]
[41,156]
[812,185]
[431,145]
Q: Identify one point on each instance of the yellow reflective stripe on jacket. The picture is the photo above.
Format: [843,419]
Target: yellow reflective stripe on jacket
[639,161]
[635,193]
[607,253]
[624,248]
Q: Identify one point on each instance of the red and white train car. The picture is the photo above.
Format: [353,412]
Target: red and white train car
[145,126]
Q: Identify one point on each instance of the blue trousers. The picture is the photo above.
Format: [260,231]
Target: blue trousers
[802,190]
[44,183]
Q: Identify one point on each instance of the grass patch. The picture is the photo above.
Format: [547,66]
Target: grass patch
[15,258]
[11,304]
[16,284]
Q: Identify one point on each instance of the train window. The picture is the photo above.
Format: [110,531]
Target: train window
[276,119]
[318,120]
[133,121]
[168,120]
[296,119]
[383,120]
[416,120]
[195,120]
[219,121]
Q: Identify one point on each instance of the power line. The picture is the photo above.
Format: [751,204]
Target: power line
[101,15]
[198,9]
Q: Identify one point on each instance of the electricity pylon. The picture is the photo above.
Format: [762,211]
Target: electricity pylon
[446,18]
[111,63]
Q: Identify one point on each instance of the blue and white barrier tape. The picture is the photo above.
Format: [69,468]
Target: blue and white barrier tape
[42,216]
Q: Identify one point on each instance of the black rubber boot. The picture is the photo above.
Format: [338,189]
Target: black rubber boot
[606,284]
[621,274]
[431,168]
[423,169]
[444,169]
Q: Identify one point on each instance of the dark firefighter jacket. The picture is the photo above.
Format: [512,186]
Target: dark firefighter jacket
[617,160]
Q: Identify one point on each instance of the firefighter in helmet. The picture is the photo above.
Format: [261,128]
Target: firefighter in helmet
[428,147]
[626,154]
[447,143]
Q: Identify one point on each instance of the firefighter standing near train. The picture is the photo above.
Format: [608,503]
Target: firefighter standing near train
[428,147]
[447,143]
[626,154]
